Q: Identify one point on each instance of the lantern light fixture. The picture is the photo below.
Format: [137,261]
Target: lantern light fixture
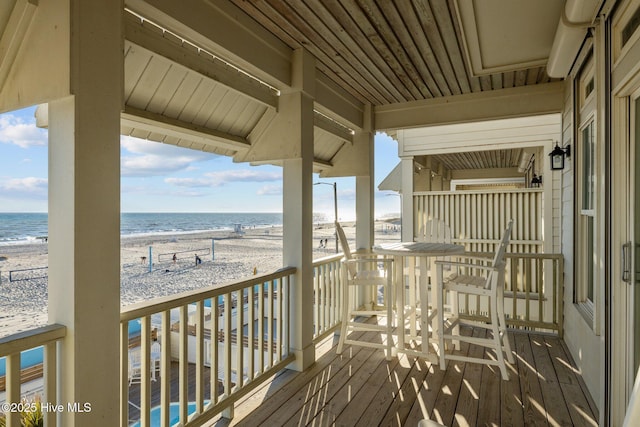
[558,156]
[536,181]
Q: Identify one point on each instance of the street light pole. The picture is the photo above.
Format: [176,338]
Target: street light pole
[335,208]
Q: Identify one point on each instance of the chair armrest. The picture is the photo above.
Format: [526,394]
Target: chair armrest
[466,264]
[368,260]
[470,257]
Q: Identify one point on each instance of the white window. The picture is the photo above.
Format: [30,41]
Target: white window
[585,178]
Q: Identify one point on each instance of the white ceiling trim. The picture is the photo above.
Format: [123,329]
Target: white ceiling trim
[503,36]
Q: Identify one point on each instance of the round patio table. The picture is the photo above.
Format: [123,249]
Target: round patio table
[421,252]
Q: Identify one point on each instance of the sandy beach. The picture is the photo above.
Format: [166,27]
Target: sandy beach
[23,301]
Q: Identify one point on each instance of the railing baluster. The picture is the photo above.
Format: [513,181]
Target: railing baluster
[124,373]
[541,293]
[317,273]
[270,323]
[145,382]
[279,322]
[200,357]
[215,341]
[165,369]
[228,412]
[251,335]
[183,382]
[261,328]
[239,339]
[13,387]
[50,382]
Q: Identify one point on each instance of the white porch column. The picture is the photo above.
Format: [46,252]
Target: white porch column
[84,215]
[365,185]
[298,209]
[407,199]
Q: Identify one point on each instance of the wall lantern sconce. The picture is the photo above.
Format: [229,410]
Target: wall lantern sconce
[558,155]
[536,181]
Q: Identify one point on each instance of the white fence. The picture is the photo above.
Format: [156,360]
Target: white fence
[478,218]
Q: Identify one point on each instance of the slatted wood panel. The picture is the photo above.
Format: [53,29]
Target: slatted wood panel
[361,388]
[478,218]
[383,52]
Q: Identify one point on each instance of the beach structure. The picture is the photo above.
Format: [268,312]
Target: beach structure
[468,89]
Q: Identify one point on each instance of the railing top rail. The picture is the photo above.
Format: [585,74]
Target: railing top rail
[36,337]
[157,305]
[457,192]
[327,259]
[515,255]
[511,242]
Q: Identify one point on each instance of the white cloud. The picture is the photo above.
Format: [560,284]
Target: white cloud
[24,186]
[270,190]
[14,130]
[244,175]
[156,159]
[219,178]
[189,182]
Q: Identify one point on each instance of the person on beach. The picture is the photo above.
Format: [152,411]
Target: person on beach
[198,261]
[175,258]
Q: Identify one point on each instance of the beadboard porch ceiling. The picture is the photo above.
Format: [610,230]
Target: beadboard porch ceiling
[209,75]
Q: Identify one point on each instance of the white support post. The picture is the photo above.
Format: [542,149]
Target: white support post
[84,216]
[298,210]
[365,185]
[407,199]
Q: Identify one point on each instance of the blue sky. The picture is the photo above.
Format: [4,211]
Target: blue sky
[164,178]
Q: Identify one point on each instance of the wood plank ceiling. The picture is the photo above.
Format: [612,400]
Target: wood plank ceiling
[381,52]
[481,159]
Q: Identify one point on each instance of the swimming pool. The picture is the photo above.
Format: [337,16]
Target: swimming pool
[174,415]
[27,359]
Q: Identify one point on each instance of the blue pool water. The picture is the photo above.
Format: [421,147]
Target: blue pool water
[28,358]
[174,415]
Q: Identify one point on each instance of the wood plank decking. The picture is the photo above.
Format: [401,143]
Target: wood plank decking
[361,388]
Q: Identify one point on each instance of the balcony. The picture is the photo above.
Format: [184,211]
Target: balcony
[357,387]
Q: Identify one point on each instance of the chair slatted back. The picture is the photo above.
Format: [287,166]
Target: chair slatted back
[436,231]
[494,278]
[345,249]
[504,242]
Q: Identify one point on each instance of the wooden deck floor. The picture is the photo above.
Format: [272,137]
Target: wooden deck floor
[361,388]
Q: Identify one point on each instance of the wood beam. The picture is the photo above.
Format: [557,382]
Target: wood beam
[333,101]
[225,30]
[13,35]
[150,37]
[158,123]
[498,104]
[34,53]
[332,127]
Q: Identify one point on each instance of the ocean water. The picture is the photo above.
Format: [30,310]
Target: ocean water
[27,227]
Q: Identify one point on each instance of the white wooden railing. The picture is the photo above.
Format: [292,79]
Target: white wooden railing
[533,301]
[254,312]
[11,347]
[327,295]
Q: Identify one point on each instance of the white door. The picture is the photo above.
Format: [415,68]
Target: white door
[625,224]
